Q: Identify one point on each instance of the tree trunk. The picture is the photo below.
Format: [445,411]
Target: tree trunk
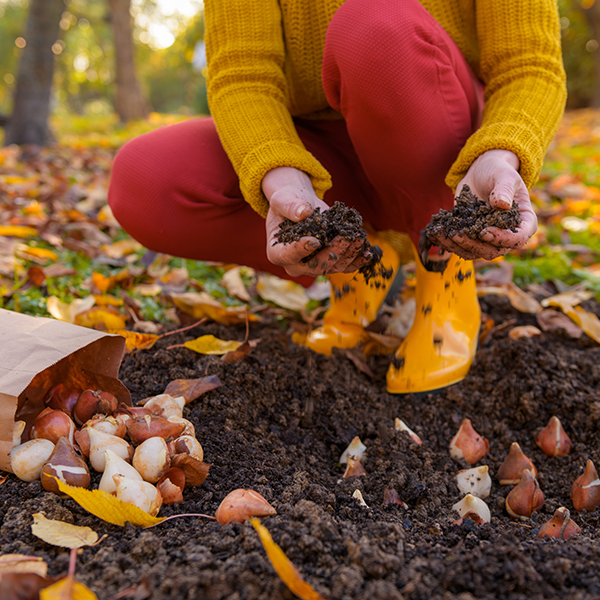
[592,16]
[129,102]
[29,121]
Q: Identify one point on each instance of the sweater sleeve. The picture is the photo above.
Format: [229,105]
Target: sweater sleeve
[248,95]
[525,84]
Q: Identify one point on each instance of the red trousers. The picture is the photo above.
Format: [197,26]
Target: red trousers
[409,102]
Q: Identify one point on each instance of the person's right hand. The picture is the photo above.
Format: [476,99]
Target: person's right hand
[291,196]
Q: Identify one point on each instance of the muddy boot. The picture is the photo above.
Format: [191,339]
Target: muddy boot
[353,305]
[440,346]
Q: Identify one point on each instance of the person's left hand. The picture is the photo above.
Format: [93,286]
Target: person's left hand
[494,178]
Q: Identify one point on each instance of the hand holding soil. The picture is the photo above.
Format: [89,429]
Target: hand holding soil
[471,230]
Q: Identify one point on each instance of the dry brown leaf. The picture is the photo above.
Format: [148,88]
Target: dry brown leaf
[121,248]
[524,331]
[379,344]
[195,470]
[282,292]
[589,322]
[201,304]
[552,320]
[232,280]
[283,566]
[234,356]
[21,563]
[59,533]
[191,389]
[58,270]
[23,586]
[567,300]
[521,300]
[501,275]
[362,366]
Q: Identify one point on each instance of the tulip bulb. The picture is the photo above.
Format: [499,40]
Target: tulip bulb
[115,465]
[93,402]
[152,459]
[475,481]
[142,428]
[390,496]
[354,468]
[188,426]
[553,439]
[525,498]
[468,444]
[100,442]
[51,425]
[18,429]
[107,424]
[166,406]
[512,468]
[357,495]
[560,526]
[400,425]
[28,459]
[585,492]
[67,466]
[61,397]
[356,448]
[240,505]
[472,504]
[186,444]
[139,493]
[171,485]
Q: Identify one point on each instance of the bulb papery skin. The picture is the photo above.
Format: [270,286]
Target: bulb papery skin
[166,406]
[468,444]
[400,425]
[28,459]
[475,481]
[100,442]
[107,424]
[511,470]
[189,427]
[356,448]
[240,505]
[472,504]
[553,440]
[115,465]
[525,498]
[186,444]
[18,429]
[585,492]
[171,493]
[354,468]
[152,459]
[139,493]
[357,494]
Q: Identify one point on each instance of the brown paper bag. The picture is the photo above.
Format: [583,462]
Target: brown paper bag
[37,353]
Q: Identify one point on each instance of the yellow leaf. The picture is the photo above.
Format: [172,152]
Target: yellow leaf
[102,283]
[59,533]
[67,312]
[283,566]
[101,318]
[105,300]
[567,300]
[232,280]
[282,292]
[589,322]
[107,507]
[209,344]
[21,231]
[148,289]
[521,300]
[106,217]
[20,563]
[67,588]
[38,255]
[121,248]
[135,340]
[201,304]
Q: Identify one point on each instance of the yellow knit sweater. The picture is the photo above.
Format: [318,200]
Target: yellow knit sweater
[264,66]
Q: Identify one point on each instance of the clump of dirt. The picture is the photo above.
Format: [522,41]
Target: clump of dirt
[339,220]
[469,217]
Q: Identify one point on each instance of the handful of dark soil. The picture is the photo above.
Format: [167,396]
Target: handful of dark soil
[339,220]
[470,216]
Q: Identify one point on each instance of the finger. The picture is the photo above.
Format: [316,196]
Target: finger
[477,249]
[287,205]
[507,184]
[358,263]
[352,252]
[448,244]
[289,254]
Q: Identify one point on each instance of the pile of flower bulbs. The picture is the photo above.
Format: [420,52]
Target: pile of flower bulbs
[146,454]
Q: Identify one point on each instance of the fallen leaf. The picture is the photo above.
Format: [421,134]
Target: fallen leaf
[20,231]
[34,254]
[58,270]
[135,340]
[21,563]
[552,320]
[567,300]
[485,331]
[501,275]
[23,586]
[283,566]
[36,275]
[521,300]
[282,292]
[121,248]
[148,289]
[209,344]
[59,533]
[232,280]
[589,322]
[101,282]
[234,356]
[67,588]
[524,331]
[379,343]
[359,364]
[107,507]
[196,471]
[103,318]
[64,311]
[191,389]
[201,304]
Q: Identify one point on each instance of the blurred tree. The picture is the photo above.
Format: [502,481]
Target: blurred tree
[28,123]
[129,102]
[591,12]
[13,19]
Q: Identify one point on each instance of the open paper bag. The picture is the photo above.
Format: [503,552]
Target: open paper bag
[37,353]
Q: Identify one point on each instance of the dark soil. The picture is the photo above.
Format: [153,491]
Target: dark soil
[469,216]
[341,221]
[279,424]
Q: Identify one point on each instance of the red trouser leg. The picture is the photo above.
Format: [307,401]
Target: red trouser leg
[410,102]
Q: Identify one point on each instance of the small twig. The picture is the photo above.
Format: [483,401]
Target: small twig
[183,515]
[566,518]
[182,329]
[175,346]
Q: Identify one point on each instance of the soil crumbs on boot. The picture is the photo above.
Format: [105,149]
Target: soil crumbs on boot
[469,216]
[339,220]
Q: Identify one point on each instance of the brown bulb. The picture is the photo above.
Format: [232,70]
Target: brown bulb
[560,526]
[66,466]
[61,397]
[51,425]
[147,426]
[240,505]
[553,440]
[512,468]
[525,498]
[92,402]
[468,444]
[585,492]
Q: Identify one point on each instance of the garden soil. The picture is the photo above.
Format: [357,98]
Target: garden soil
[279,424]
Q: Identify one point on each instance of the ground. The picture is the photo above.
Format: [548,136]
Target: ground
[279,424]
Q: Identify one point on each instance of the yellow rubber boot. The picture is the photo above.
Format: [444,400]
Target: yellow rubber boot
[439,348]
[353,305]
